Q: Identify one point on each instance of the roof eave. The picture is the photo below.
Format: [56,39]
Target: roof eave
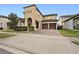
[50,15]
[71,17]
[29,6]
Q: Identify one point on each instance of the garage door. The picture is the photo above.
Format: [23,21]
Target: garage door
[45,26]
[52,25]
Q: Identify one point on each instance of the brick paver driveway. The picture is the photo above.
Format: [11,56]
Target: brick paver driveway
[42,42]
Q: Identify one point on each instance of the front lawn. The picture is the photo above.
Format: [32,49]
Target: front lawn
[4,35]
[69,33]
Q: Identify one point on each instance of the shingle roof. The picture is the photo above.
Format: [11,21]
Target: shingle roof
[49,20]
[29,6]
[3,16]
[39,11]
[22,20]
[50,15]
[67,15]
[73,17]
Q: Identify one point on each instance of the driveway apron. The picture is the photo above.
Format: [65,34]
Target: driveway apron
[42,43]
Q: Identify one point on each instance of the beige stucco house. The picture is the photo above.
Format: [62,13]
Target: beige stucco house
[3,22]
[34,17]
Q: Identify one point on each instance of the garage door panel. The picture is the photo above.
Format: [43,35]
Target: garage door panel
[45,26]
[52,25]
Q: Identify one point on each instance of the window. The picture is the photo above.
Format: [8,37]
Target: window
[78,24]
[1,24]
[37,24]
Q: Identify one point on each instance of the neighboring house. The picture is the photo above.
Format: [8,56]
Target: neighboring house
[3,22]
[21,22]
[34,17]
[63,18]
[72,22]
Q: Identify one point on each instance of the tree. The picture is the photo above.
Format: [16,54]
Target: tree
[14,20]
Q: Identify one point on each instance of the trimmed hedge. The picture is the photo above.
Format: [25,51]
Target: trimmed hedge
[20,28]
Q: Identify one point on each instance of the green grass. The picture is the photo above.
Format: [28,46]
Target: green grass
[69,33]
[4,35]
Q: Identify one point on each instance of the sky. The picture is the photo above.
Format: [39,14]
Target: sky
[60,9]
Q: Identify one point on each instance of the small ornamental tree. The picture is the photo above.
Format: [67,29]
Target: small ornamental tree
[14,20]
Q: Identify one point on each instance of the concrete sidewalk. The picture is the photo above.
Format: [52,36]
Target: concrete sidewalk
[5,49]
[2,51]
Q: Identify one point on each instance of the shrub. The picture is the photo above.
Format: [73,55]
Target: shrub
[59,27]
[10,25]
[20,28]
[31,28]
[8,30]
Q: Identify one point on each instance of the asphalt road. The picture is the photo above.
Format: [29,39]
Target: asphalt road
[2,51]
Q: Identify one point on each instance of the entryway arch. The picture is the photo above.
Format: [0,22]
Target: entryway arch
[29,21]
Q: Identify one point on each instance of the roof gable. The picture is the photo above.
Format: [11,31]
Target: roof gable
[35,7]
[39,11]
[73,17]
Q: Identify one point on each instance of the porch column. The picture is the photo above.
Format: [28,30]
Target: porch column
[56,26]
[48,25]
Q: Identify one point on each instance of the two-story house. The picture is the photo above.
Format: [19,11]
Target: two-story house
[34,17]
